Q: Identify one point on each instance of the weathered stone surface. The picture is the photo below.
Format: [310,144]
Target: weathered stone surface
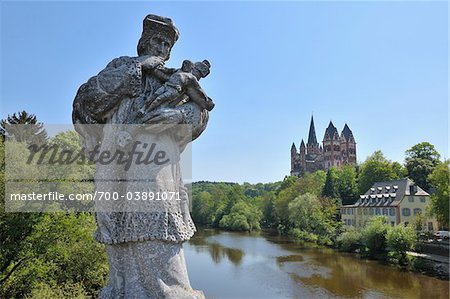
[145,247]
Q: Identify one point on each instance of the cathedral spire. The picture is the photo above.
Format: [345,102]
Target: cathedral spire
[312,140]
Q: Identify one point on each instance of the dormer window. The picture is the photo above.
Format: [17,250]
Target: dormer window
[372,190]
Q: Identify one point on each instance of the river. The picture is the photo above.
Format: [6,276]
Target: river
[263,265]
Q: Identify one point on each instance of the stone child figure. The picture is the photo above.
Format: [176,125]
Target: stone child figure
[145,248]
[184,82]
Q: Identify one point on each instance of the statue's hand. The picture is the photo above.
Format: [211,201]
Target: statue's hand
[152,62]
[166,116]
[163,119]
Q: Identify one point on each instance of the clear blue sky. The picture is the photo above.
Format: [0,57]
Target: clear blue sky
[382,67]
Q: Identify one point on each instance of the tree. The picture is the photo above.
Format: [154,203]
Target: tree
[421,160]
[376,168]
[313,215]
[400,239]
[439,180]
[268,210]
[33,132]
[291,188]
[242,217]
[399,170]
[59,251]
[349,240]
[346,184]
[311,183]
[203,208]
[374,235]
[330,188]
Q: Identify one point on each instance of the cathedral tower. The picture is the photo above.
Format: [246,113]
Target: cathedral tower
[348,146]
[331,147]
[312,147]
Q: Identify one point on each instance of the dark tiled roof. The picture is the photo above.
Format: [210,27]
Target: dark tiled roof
[330,131]
[312,140]
[389,193]
[347,133]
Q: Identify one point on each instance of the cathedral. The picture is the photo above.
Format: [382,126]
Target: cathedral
[335,150]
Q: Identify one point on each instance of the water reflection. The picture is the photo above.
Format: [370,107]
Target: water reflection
[269,266]
[216,250]
[289,258]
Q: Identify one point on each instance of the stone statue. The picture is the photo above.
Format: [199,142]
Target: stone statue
[184,81]
[144,246]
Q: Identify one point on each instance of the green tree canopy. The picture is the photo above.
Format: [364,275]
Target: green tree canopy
[330,188]
[34,133]
[421,160]
[439,180]
[346,184]
[376,168]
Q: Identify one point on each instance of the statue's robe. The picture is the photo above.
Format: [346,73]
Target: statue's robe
[134,231]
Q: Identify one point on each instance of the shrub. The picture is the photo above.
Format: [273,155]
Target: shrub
[349,241]
[302,235]
[242,217]
[400,239]
[234,222]
[374,235]
[65,291]
[314,215]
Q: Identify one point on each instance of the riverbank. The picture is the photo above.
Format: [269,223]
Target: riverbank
[265,264]
[432,265]
[424,262]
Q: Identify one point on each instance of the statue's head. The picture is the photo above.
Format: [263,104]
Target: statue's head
[201,69]
[159,34]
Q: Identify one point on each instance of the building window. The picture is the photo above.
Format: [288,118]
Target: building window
[343,211]
[385,211]
[430,226]
[378,211]
[365,211]
[406,212]
[417,211]
[411,199]
[371,211]
[392,211]
[422,199]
